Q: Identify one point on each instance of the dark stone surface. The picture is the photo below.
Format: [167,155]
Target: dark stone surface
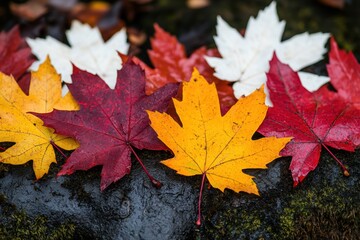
[325,206]
[131,209]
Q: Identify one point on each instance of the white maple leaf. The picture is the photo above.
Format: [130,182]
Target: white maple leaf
[245,60]
[88,52]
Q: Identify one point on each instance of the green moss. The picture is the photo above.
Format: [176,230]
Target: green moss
[16,225]
[325,206]
[64,231]
[287,222]
[323,213]
[247,222]
[327,212]
[21,226]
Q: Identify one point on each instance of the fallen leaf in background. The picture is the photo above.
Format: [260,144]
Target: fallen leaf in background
[314,120]
[172,65]
[53,23]
[110,23]
[64,5]
[110,123]
[32,140]
[15,54]
[29,10]
[110,18]
[246,59]
[90,13]
[215,146]
[197,3]
[340,4]
[88,52]
[344,73]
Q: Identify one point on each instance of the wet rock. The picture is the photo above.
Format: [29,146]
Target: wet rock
[130,209]
[325,206]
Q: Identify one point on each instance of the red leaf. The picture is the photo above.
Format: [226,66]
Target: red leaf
[314,120]
[15,55]
[172,65]
[344,72]
[110,122]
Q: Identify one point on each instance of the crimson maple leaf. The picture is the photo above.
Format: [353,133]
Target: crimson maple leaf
[344,72]
[172,65]
[15,55]
[314,120]
[110,123]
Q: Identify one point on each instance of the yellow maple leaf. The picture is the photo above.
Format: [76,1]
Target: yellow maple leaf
[215,146]
[32,140]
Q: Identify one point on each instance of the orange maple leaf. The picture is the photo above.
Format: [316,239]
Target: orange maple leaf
[215,146]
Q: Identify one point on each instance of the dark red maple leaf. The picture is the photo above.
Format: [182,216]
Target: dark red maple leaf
[172,65]
[110,123]
[344,73]
[314,120]
[15,55]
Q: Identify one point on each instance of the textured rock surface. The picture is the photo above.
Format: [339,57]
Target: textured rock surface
[131,209]
[325,206]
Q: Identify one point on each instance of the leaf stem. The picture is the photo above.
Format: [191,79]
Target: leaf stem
[154,182]
[198,222]
[57,148]
[344,169]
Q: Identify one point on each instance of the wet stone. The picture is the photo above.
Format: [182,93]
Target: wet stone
[325,206]
[126,210]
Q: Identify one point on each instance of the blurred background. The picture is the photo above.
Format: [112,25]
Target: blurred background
[192,21]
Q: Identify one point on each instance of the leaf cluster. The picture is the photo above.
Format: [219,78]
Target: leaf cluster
[205,108]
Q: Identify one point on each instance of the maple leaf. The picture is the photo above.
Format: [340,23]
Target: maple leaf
[315,120]
[172,65]
[344,73]
[110,123]
[88,52]
[15,55]
[32,140]
[246,59]
[214,146]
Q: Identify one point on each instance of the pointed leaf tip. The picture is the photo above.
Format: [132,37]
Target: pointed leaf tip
[22,124]
[265,31]
[200,114]
[313,119]
[107,117]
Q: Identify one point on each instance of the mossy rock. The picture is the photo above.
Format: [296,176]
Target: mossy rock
[17,225]
[325,206]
